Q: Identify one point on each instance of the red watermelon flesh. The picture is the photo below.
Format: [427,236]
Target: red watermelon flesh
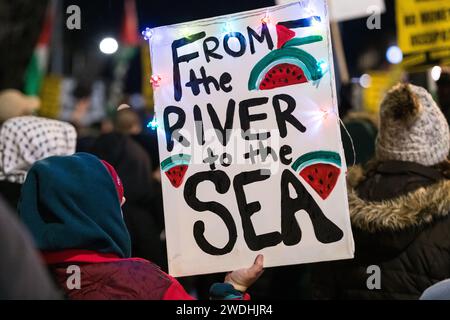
[281,75]
[176,175]
[322,177]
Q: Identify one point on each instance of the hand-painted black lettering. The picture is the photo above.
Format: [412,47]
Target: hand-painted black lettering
[210,52]
[242,44]
[254,242]
[324,229]
[222,184]
[184,58]
[223,132]
[172,131]
[246,118]
[265,35]
[286,115]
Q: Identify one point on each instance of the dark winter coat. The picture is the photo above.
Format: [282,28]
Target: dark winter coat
[142,217]
[400,220]
[10,192]
[108,277]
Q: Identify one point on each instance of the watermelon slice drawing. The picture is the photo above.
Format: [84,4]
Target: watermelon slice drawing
[287,65]
[320,169]
[175,168]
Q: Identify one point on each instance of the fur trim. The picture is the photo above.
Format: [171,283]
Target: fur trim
[355,175]
[402,103]
[413,209]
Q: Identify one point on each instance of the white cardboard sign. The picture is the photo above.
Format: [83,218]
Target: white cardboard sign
[249,140]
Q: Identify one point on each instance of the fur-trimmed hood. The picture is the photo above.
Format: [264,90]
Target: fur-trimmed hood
[410,210]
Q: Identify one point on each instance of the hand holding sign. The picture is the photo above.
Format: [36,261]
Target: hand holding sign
[242,279]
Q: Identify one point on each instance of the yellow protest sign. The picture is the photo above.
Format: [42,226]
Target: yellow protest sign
[423,25]
[51,97]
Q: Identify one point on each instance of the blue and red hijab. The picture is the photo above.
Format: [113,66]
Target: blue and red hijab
[71,202]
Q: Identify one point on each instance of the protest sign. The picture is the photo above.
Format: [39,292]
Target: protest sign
[249,140]
[423,25]
[423,29]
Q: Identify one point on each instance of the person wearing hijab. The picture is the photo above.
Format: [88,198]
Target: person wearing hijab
[72,206]
[25,140]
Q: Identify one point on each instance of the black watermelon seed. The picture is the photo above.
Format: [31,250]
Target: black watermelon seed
[310,177]
[299,77]
[320,181]
[330,175]
[328,187]
[270,75]
[281,70]
[288,71]
[293,73]
[286,80]
[315,169]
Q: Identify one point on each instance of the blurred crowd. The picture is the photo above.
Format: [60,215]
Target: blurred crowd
[90,196]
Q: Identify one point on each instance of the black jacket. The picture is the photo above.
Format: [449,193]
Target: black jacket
[142,215]
[10,192]
[400,220]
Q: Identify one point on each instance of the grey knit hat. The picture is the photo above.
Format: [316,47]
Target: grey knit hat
[412,127]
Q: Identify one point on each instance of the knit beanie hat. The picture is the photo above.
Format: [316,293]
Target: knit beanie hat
[70,202]
[412,127]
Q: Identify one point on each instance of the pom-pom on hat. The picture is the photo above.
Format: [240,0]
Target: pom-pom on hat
[412,127]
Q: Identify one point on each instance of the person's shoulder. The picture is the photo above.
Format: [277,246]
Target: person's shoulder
[129,279]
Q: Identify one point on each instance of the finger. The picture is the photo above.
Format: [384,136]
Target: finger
[259,260]
[258,265]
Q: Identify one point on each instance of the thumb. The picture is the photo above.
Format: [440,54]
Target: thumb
[258,265]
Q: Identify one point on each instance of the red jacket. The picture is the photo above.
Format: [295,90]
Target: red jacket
[106,276]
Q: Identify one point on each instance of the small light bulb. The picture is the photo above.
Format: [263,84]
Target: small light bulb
[227,28]
[266,19]
[322,67]
[153,124]
[147,33]
[155,79]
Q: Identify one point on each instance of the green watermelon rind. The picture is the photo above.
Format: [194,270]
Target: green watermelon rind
[279,56]
[302,41]
[314,157]
[173,161]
